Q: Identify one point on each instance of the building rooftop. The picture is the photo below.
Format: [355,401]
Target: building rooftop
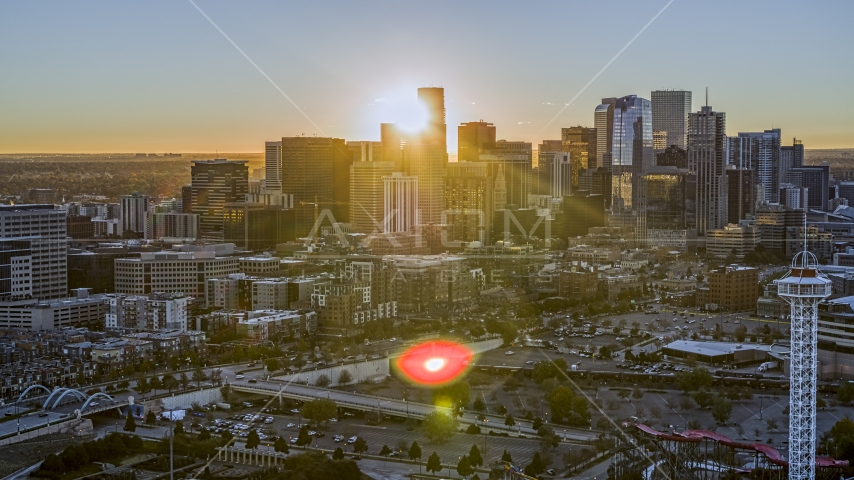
[713,349]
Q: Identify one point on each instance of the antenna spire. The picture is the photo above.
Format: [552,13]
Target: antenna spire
[707,96]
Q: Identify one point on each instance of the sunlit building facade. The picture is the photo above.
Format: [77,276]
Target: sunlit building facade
[707,159]
[670,110]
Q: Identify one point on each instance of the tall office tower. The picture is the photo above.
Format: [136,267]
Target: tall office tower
[313,171]
[670,110]
[392,142]
[215,183]
[790,157]
[187,199]
[803,289]
[468,197]
[668,207]
[707,159]
[515,161]
[256,226]
[741,194]
[581,144]
[473,139]
[366,195]
[273,167]
[400,203]
[435,132]
[541,178]
[659,141]
[815,178]
[365,151]
[44,227]
[603,122]
[499,190]
[427,162]
[581,211]
[562,175]
[672,156]
[134,210]
[759,152]
[631,150]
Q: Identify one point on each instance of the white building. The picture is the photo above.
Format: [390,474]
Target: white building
[170,272]
[44,227]
[152,312]
[81,310]
[172,225]
[134,212]
[400,203]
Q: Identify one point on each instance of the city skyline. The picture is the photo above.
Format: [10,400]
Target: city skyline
[169,81]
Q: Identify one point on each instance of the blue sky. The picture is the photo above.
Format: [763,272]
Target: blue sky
[155,76]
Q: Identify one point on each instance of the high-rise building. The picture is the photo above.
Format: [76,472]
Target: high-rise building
[515,159]
[468,196]
[427,161]
[436,131]
[16,269]
[631,149]
[316,172]
[741,194]
[255,226]
[816,179]
[366,194]
[392,144]
[603,122]
[170,272]
[44,226]
[215,183]
[759,152]
[273,167]
[400,203]
[790,157]
[581,144]
[707,159]
[672,156]
[473,139]
[172,225]
[134,212]
[365,151]
[542,174]
[668,205]
[581,211]
[670,110]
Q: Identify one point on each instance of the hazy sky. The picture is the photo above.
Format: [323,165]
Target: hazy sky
[156,76]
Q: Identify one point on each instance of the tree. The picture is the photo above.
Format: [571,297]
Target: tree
[505,457]
[415,451]
[199,376]
[184,380]
[179,428]
[536,466]
[845,393]
[169,382]
[52,463]
[703,398]
[839,440]
[692,381]
[204,435]
[142,386]
[509,421]
[320,410]
[538,422]
[479,405]
[155,383]
[338,454]
[345,377]
[464,467]
[226,437]
[565,404]
[637,393]
[216,377]
[253,440]
[434,463]
[303,438]
[130,424]
[323,381]
[281,445]
[360,445]
[721,410]
[455,395]
[385,451]
[272,364]
[227,393]
[475,457]
[150,418]
[439,426]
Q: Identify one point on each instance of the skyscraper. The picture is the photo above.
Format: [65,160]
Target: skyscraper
[400,203]
[468,196]
[273,167]
[668,207]
[435,132]
[816,179]
[790,157]
[670,110]
[707,159]
[215,183]
[314,171]
[392,144]
[741,194]
[759,152]
[473,139]
[134,211]
[366,194]
[581,144]
[45,229]
[631,149]
[603,122]
[515,161]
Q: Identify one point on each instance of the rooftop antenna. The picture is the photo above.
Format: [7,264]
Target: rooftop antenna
[707,96]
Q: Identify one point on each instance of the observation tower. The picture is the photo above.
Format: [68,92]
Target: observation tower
[803,289]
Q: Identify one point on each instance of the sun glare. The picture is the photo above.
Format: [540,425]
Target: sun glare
[403,108]
[434,364]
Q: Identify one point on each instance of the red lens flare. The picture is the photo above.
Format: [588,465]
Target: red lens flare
[434,363]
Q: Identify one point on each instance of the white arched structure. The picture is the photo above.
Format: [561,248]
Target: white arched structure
[94,396]
[62,392]
[30,388]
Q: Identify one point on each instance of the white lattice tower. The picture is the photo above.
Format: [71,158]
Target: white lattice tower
[803,288]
